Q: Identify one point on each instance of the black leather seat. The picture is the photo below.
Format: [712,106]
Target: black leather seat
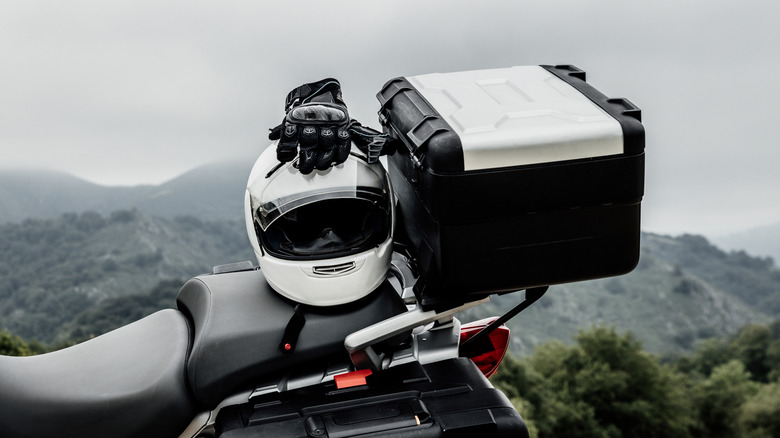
[239,321]
[127,383]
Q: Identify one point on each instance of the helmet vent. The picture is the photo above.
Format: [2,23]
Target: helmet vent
[334,269]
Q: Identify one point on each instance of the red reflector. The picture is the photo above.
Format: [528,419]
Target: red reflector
[348,380]
[491,350]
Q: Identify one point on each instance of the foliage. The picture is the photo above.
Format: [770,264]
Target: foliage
[53,270]
[604,386]
[755,346]
[115,312]
[751,347]
[730,377]
[760,415]
[11,345]
[720,397]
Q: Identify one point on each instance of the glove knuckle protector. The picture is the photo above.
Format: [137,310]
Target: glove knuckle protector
[316,128]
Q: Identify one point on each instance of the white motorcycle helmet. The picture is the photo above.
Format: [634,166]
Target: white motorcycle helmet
[321,239]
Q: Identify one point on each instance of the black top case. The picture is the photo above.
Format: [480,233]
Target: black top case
[513,178]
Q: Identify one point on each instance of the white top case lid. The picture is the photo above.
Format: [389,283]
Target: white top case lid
[518,116]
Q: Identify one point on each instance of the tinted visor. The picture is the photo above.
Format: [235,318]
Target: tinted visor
[343,210]
[328,228]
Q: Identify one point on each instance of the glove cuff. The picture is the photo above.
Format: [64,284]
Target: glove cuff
[325,90]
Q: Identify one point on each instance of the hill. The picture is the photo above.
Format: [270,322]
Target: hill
[53,270]
[81,275]
[684,290]
[210,192]
[763,241]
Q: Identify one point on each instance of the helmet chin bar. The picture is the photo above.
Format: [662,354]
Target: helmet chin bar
[329,282]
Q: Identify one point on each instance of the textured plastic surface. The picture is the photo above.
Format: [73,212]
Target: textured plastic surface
[126,383]
[573,215]
[450,398]
[519,116]
[239,322]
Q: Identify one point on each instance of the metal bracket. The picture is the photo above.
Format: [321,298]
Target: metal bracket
[359,343]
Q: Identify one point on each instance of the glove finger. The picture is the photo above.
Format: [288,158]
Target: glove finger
[308,149]
[325,151]
[288,144]
[275,132]
[342,145]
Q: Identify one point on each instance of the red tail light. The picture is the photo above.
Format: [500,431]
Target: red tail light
[488,352]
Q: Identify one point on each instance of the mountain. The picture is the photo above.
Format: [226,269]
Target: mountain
[78,258]
[210,192]
[53,270]
[83,274]
[762,241]
[48,194]
[683,290]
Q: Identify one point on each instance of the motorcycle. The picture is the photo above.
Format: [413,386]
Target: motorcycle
[505,180]
[238,360]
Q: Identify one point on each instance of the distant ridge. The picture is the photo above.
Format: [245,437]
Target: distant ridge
[53,270]
[47,194]
[210,192]
[761,241]
[683,290]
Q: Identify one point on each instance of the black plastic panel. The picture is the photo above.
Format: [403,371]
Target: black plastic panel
[450,398]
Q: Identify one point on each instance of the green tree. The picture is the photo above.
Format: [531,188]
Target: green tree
[720,398]
[530,393]
[710,354]
[628,389]
[604,386]
[773,352]
[115,312]
[751,347]
[760,415]
[11,345]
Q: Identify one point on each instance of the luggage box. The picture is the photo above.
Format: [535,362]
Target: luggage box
[450,398]
[514,178]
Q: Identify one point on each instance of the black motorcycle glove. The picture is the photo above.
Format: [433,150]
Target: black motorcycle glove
[315,127]
[372,142]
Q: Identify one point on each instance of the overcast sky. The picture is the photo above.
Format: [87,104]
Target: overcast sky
[123,93]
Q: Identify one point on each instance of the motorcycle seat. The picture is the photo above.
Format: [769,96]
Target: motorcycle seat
[239,322]
[126,383]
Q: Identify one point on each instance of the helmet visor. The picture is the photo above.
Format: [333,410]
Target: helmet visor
[340,211]
[328,228]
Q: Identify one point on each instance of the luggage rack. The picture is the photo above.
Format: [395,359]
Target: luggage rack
[359,344]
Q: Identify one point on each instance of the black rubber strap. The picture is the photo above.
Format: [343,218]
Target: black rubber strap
[291,332]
